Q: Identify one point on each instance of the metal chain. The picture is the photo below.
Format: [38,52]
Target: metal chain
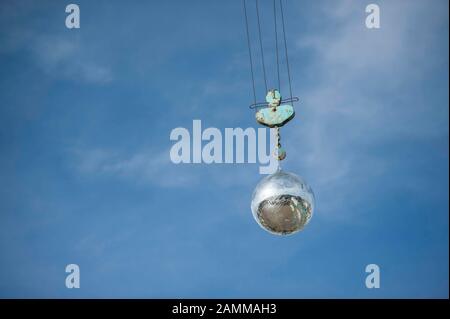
[278,137]
[280,153]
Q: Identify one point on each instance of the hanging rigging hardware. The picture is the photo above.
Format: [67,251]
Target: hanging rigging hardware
[282,203]
[275,112]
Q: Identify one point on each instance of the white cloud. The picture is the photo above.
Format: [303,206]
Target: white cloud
[340,118]
[61,56]
[144,167]
[360,97]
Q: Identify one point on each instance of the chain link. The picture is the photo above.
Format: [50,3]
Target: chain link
[280,153]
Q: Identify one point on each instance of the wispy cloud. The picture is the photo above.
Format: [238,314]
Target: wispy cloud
[145,167]
[373,118]
[61,56]
[339,125]
[60,53]
[336,126]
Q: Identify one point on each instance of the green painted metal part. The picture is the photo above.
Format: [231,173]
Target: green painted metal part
[273,97]
[275,116]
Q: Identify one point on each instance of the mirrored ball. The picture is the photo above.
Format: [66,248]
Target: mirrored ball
[282,203]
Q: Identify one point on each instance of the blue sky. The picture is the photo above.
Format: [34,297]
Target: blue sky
[85,118]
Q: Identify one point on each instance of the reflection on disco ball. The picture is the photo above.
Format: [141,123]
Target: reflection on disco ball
[282,203]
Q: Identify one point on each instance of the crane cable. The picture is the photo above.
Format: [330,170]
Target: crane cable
[261,46]
[276,42]
[250,53]
[292,99]
[286,50]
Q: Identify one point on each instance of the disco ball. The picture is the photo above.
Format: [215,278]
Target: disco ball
[282,203]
